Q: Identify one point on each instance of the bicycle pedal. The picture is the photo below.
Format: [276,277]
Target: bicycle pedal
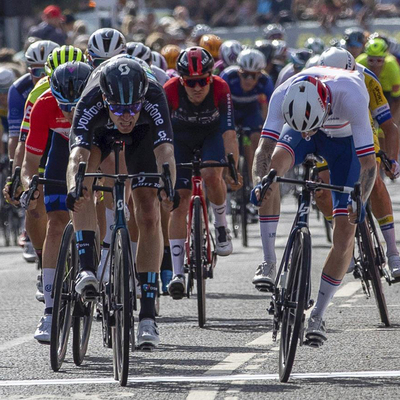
[89,294]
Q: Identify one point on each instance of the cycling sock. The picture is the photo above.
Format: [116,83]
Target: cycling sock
[109,225]
[387,228]
[268,227]
[327,290]
[85,245]
[48,281]
[219,214]
[148,282]
[178,255]
[134,250]
[166,263]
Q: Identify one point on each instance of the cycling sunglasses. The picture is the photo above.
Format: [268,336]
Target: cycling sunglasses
[97,61]
[247,74]
[121,109]
[202,82]
[376,60]
[66,107]
[37,72]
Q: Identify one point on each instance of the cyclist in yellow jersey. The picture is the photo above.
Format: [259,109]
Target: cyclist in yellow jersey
[379,109]
[385,67]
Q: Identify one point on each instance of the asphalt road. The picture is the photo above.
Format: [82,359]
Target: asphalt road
[232,358]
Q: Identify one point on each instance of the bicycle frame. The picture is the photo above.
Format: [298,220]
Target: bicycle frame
[197,191]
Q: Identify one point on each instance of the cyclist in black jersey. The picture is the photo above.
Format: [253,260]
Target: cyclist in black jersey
[123,95]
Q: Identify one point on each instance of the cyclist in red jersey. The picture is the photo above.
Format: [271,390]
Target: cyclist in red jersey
[54,111]
[202,118]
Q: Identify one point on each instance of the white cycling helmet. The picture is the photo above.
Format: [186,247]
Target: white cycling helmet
[274,31]
[306,104]
[200,30]
[337,57]
[7,78]
[251,60]
[139,50]
[105,43]
[229,51]
[38,52]
[159,60]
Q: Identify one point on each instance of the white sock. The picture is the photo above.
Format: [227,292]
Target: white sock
[109,225]
[327,290]
[387,228]
[219,214]
[48,281]
[268,227]
[134,250]
[178,255]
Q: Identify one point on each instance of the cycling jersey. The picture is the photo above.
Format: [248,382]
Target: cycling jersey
[45,116]
[92,125]
[4,120]
[160,74]
[17,95]
[286,72]
[389,76]
[199,126]
[349,107]
[247,104]
[39,88]
[219,66]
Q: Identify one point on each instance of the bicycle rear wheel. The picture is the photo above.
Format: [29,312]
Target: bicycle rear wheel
[121,331]
[199,262]
[373,270]
[64,298]
[294,301]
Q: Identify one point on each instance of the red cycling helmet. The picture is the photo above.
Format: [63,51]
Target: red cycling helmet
[194,61]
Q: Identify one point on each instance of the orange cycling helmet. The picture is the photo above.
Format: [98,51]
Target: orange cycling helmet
[212,43]
[171,53]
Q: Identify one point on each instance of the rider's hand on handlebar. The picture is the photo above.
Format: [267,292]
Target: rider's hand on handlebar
[29,203]
[255,195]
[7,196]
[353,212]
[231,182]
[166,202]
[75,204]
[395,171]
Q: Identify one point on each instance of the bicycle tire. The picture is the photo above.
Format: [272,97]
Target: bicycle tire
[199,262]
[373,271]
[121,330]
[244,198]
[296,293]
[63,298]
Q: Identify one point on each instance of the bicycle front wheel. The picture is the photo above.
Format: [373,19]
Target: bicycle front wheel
[122,311]
[373,271]
[294,301]
[67,267]
[199,262]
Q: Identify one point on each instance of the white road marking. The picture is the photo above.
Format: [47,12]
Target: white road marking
[348,289]
[230,363]
[201,394]
[207,378]
[263,340]
[16,342]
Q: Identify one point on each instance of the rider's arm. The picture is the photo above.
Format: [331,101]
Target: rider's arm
[391,131]
[262,159]
[77,155]
[29,168]
[15,115]
[367,175]
[165,154]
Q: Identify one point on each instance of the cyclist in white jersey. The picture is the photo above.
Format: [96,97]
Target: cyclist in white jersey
[307,102]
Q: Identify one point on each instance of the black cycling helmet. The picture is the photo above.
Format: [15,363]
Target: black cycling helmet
[194,61]
[354,37]
[69,80]
[123,81]
[300,57]
[266,47]
[139,50]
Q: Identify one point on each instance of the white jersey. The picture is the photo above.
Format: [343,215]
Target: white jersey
[285,74]
[349,107]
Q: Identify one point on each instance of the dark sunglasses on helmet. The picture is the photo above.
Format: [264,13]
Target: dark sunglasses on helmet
[97,61]
[67,107]
[247,74]
[121,109]
[37,72]
[198,81]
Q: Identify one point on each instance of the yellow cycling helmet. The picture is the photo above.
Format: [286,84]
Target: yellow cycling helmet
[212,43]
[376,48]
[171,53]
[61,55]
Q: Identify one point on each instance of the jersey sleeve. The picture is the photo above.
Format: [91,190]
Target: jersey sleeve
[223,100]
[172,94]
[15,115]
[274,123]
[38,134]
[394,73]
[156,107]
[358,116]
